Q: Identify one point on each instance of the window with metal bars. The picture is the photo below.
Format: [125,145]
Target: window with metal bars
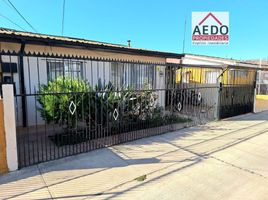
[69,69]
[134,76]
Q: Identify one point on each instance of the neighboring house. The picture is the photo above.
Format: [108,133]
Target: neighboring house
[262,77]
[209,71]
[238,73]
[262,81]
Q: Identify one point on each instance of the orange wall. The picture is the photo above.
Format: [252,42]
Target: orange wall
[3,160]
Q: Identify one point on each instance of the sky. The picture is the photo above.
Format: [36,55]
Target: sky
[149,24]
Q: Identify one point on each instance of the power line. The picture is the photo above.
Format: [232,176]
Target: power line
[63,15]
[11,21]
[7,4]
[13,6]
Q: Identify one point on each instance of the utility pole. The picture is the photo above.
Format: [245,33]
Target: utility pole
[183,47]
[259,78]
[63,15]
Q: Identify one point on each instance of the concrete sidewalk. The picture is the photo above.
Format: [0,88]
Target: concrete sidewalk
[219,160]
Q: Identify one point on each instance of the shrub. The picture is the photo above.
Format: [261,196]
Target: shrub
[139,105]
[56,97]
[94,106]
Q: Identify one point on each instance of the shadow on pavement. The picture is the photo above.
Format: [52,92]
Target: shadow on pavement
[104,159]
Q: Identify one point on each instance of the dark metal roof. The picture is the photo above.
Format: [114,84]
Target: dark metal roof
[11,35]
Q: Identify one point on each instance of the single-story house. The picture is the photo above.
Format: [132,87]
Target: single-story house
[29,60]
[184,85]
[262,77]
[236,79]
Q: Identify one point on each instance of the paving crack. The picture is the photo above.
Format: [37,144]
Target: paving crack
[235,166]
[44,181]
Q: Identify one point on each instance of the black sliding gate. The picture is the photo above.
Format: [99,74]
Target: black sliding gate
[236,100]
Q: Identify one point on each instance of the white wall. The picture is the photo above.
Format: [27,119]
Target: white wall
[18,108]
[210,94]
[93,71]
[35,74]
[160,84]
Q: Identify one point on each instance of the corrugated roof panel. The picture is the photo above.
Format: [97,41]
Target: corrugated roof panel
[78,41]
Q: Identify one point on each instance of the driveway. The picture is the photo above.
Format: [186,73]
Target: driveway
[219,160]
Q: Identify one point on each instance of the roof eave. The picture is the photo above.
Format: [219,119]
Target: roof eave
[71,44]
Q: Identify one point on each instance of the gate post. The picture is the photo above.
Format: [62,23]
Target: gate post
[254,100]
[218,106]
[255,92]
[10,127]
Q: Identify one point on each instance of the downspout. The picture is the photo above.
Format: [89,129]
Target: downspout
[223,71]
[259,78]
[219,92]
[257,74]
[1,73]
[22,84]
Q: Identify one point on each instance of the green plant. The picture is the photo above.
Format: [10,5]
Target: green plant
[56,98]
[99,106]
[140,104]
[103,101]
[131,105]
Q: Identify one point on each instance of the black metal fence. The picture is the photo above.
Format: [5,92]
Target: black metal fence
[65,106]
[60,124]
[236,100]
